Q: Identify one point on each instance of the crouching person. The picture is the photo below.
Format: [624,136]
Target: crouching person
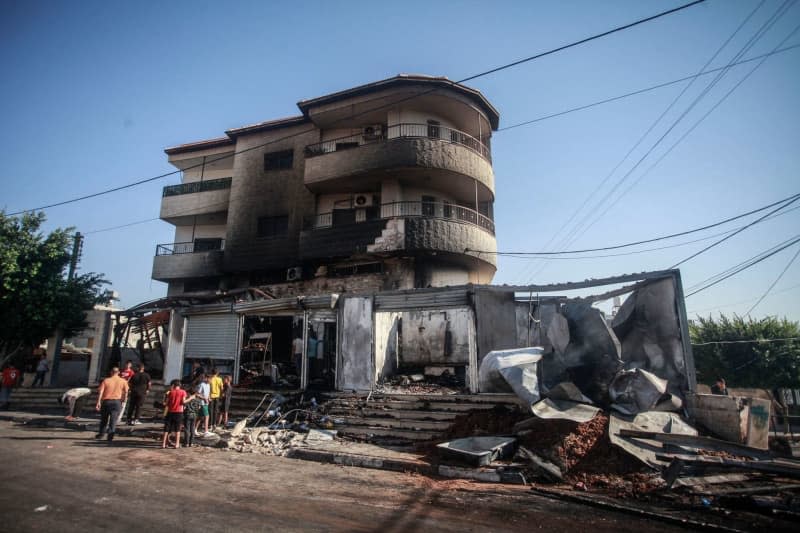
[172,424]
[75,399]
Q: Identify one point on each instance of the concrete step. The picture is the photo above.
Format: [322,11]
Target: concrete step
[396,435]
[442,407]
[405,414]
[439,398]
[394,423]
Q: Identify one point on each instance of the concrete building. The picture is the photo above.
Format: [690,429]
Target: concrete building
[384,186]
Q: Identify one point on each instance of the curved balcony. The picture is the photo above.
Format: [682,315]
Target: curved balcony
[443,153]
[196,198]
[181,260]
[400,227]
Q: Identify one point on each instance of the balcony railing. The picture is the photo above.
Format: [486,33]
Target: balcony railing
[196,246]
[419,131]
[439,210]
[197,186]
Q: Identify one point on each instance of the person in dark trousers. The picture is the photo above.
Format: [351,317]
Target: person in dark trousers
[719,387]
[112,391]
[176,397]
[42,368]
[140,386]
[191,409]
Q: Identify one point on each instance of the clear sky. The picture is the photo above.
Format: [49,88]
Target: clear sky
[92,93]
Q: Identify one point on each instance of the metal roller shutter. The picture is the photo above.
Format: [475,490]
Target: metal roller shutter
[421,299]
[213,336]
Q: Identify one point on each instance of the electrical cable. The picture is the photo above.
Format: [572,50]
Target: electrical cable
[732,304]
[792,260]
[785,339]
[645,90]
[752,263]
[390,104]
[584,224]
[646,241]
[719,275]
[760,219]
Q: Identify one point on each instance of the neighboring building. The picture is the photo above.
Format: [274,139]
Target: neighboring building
[380,187]
[79,362]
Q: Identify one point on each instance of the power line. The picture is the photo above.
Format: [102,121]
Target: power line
[785,339]
[774,282]
[585,221]
[664,237]
[739,265]
[584,224]
[760,219]
[750,264]
[732,304]
[390,104]
[645,90]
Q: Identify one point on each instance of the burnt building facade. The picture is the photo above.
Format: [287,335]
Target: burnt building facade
[385,186]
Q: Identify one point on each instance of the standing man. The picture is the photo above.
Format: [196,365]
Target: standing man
[719,387]
[203,391]
[42,368]
[112,391]
[297,349]
[126,373]
[10,379]
[215,384]
[140,386]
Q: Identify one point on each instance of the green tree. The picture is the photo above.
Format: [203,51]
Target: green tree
[758,364]
[36,297]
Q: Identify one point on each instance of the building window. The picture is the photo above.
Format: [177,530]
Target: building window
[428,206]
[279,160]
[273,226]
[433,129]
[207,245]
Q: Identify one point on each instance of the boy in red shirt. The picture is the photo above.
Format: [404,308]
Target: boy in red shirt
[10,379]
[172,424]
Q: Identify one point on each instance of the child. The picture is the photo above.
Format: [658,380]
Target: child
[172,423]
[227,393]
[191,408]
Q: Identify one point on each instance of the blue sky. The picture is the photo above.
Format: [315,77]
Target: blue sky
[93,92]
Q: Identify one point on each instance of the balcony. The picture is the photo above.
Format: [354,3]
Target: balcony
[443,210]
[180,260]
[439,151]
[400,227]
[196,198]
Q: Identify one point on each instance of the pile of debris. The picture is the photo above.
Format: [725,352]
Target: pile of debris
[277,428]
[430,380]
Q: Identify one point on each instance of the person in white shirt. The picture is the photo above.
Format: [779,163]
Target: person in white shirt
[75,398]
[203,391]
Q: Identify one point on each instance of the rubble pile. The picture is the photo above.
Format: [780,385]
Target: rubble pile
[261,440]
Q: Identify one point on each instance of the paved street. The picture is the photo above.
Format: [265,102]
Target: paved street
[79,484]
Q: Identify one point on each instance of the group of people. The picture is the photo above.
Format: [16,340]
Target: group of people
[207,403]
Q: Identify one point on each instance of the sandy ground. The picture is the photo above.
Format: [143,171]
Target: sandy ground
[64,480]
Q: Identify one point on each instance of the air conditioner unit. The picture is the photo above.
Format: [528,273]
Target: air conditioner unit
[373,132]
[294,274]
[363,200]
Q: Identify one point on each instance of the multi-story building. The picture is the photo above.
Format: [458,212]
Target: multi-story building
[384,186]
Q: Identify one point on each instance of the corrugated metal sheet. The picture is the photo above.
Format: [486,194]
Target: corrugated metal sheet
[421,299]
[296,304]
[212,335]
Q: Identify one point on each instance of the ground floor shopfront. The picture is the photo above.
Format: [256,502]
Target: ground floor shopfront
[358,341]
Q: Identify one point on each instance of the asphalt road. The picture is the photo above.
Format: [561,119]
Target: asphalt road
[64,480]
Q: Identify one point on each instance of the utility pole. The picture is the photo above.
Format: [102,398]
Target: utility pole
[77,248]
